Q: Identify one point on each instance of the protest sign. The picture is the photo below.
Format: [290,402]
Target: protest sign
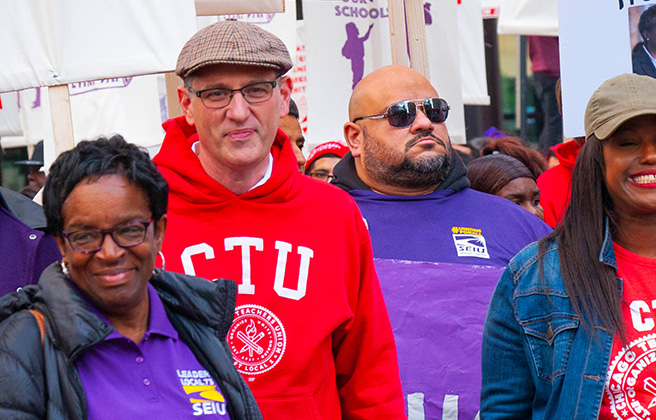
[347,39]
[595,45]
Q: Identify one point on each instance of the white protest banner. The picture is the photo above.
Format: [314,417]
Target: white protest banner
[9,122]
[34,114]
[472,53]
[56,42]
[444,59]
[129,106]
[529,17]
[299,77]
[595,45]
[347,39]
[224,7]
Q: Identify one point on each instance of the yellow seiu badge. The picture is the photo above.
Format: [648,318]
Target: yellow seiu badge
[205,399]
[469,242]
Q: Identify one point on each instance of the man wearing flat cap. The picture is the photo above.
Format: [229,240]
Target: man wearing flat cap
[311,334]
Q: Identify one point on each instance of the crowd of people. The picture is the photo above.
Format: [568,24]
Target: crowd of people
[232,277]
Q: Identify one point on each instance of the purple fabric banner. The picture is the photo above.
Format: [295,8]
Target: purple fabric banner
[437,312]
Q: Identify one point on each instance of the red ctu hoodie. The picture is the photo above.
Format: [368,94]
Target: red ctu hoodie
[555,183]
[311,334]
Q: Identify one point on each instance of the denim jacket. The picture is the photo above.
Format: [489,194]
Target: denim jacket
[538,361]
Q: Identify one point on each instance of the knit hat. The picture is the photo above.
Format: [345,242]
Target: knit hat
[331,147]
[618,100]
[233,42]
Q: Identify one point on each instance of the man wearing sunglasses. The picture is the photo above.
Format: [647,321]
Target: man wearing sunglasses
[311,334]
[413,192]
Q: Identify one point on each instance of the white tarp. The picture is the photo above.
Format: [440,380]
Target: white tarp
[530,17]
[224,7]
[472,53]
[595,45]
[330,23]
[54,42]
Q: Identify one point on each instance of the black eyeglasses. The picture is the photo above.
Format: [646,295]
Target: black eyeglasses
[322,176]
[403,114]
[86,241]
[217,98]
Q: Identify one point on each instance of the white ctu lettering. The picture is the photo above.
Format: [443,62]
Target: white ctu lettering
[206,408]
[641,315]
[247,246]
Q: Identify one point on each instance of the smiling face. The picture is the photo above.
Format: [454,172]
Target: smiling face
[238,137]
[414,158]
[524,192]
[114,279]
[630,167]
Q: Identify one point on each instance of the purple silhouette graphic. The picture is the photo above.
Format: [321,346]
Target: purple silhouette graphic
[354,50]
[37,100]
[427,14]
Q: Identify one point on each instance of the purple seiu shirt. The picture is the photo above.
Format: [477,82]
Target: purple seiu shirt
[464,227]
[158,378]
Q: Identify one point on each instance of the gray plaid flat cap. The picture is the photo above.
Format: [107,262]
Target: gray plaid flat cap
[233,42]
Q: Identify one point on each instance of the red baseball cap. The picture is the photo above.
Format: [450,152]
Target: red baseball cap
[328,148]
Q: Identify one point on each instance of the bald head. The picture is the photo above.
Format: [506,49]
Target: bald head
[386,86]
[408,160]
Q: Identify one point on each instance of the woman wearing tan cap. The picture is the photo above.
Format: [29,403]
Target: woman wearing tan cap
[571,328]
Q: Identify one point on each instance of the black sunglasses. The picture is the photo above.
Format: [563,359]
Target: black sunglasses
[403,114]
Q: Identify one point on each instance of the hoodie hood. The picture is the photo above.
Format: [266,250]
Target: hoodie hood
[188,180]
[346,176]
[566,153]
[22,207]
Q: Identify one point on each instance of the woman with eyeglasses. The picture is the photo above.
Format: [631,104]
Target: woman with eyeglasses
[571,327]
[104,335]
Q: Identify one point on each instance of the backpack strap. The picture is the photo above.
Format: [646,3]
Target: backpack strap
[41,322]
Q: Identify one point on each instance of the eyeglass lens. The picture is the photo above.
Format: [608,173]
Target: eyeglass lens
[127,235]
[255,93]
[322,176]
[404,113]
